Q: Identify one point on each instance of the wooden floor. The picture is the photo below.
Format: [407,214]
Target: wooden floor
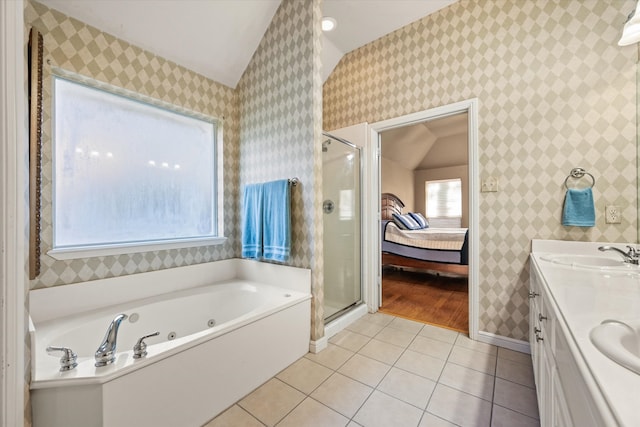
[438,300]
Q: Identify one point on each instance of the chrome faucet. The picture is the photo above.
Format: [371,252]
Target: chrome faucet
[632,256]
[106,353]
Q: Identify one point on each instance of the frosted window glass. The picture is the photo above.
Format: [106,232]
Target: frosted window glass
[129,172]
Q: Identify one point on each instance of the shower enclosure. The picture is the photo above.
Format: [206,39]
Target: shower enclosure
[341,163]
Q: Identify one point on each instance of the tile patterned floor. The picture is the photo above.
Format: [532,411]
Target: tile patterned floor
[387,371]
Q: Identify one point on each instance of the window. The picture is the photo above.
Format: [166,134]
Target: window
[444,198]
[128,173]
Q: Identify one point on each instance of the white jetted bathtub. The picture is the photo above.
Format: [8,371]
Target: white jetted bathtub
[216,342]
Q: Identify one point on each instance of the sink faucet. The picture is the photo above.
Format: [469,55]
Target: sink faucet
[106,353]
[632,256]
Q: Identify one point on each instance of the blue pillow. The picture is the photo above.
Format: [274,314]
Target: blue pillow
[406,222]
[420,219]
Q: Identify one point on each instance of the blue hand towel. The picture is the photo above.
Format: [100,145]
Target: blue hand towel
[578,208]
[276,214]
[252,221]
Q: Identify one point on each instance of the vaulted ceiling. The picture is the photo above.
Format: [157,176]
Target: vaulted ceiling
[217,38]
[438,143]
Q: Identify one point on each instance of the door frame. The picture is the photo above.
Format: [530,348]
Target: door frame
[470,107]
[13,205]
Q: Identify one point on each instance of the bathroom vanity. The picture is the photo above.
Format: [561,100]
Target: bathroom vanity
[574,287]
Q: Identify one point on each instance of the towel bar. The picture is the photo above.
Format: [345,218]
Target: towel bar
[578,173]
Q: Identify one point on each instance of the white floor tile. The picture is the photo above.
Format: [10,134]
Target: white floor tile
[431,346]
[406,325]
[459,408]
[468,380]
[408,387]
[430,420]
[439,334]
[342,394]
[466,342]
[395,337]
[425,377]
[381,351]
[516,397]
[379,318]
[365,370]
[270,402]
[311,413]
[503,417]
[305,375]
[234,416]
[479,361]
[350,340]
[381,410]
[332,357]
[421,364]
[514,356]
[515,372]
[365,327]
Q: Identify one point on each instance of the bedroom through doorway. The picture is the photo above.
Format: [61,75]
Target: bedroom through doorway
[424,186]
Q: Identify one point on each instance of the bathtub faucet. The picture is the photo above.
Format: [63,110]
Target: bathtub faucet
[106,353]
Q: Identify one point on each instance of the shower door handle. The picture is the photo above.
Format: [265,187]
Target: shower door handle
[328,206]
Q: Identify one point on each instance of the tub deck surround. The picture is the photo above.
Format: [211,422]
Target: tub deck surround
[586,297]
[231,336]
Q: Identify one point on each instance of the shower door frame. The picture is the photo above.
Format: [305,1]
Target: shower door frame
[361,181]
[470,107]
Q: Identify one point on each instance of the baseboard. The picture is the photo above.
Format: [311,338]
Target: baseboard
[502,341]
[345,320]
[318,345]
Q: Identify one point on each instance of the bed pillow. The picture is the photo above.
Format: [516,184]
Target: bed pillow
[420,219]
[405,222]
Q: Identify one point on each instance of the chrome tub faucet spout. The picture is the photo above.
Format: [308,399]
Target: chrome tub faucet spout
[632,256]
[106,353]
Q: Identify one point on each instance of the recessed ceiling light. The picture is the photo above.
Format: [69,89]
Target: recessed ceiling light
[328,23]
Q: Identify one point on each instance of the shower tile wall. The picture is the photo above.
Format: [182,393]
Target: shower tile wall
[555,92]
[75,46]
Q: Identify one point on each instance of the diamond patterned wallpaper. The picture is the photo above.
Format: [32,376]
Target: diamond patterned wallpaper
[280,128]
[77,47]
[555,92]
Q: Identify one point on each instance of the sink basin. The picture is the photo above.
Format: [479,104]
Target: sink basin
[619,341]
[588,261]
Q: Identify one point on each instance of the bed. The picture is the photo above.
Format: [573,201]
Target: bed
[435,249]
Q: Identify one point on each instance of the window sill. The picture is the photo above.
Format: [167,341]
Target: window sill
[128,248]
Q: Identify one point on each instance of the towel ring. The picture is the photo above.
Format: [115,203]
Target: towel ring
[578,173]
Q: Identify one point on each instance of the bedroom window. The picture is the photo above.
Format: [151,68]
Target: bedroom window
[129,176]
[444,199]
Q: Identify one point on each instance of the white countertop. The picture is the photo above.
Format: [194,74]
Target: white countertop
[586,297]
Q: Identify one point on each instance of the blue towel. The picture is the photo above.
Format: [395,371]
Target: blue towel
[276,216]
[578,208]
[252,221]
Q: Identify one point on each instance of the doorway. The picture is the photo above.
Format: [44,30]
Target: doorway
[470,108]
[424,173]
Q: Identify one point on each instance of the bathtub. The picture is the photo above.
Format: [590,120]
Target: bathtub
[217,342]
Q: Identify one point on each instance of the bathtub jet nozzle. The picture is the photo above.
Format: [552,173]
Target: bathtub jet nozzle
[106,353]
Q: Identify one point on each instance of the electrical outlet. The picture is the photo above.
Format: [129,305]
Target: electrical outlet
[489,185]
[612,214]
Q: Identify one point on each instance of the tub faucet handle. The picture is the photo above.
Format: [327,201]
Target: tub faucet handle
[69,359]
[140,349]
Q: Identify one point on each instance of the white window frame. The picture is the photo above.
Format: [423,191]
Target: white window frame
[88,251]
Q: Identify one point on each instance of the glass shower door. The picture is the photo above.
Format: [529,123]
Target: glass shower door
[342,226]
